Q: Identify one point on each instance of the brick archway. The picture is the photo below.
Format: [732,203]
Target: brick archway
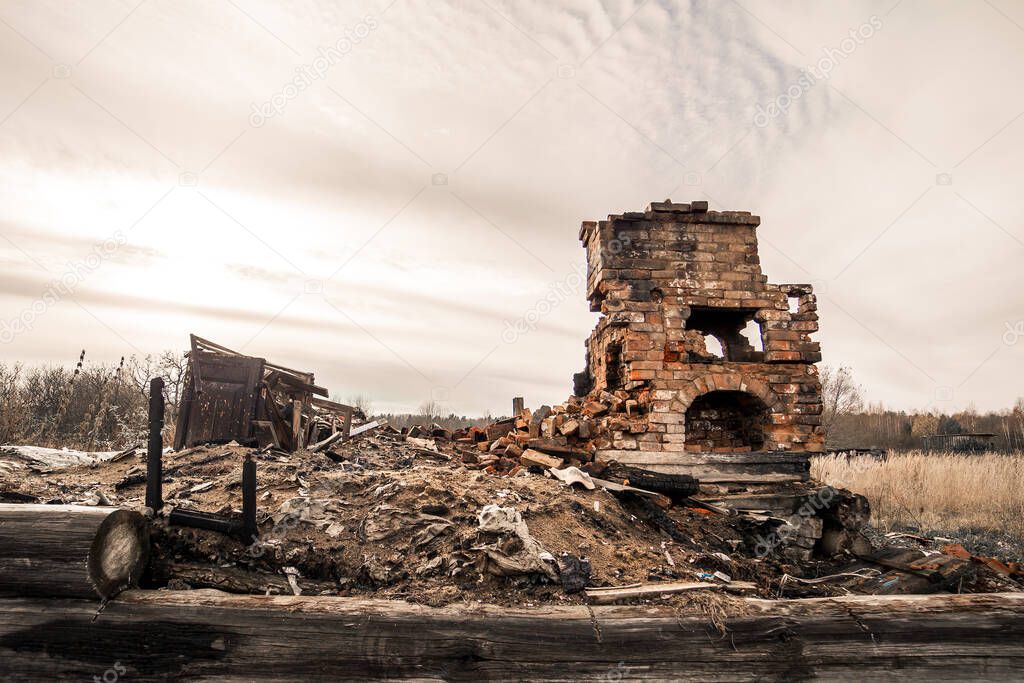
[729,382]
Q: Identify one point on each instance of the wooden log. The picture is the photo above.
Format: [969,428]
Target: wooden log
[71,550]
[209,635]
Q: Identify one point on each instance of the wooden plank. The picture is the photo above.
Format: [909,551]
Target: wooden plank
[327,443]
[333,406]
[297,423]
[783,504]
[714,476]
[606,596]
[681,458]
[224,403]
[746,468]
[368,427]
[347,413]
[208,635]
[184,410]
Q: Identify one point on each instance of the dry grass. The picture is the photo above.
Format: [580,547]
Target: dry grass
[935,492]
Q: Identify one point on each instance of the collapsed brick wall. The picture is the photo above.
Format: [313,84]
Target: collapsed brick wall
[670,282]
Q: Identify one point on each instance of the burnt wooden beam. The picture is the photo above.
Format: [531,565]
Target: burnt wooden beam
[205,520]
[209,635]
[155,449]
[250,530]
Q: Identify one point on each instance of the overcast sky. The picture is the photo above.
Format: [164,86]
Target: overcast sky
[375,190]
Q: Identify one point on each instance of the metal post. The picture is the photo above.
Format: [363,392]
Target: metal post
[154,453]
[249,529]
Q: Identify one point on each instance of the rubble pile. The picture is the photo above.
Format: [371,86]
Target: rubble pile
[405,517]
[569,434]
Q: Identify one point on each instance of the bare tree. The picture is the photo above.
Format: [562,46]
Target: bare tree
[173,367]
[841,395]
[430,409]
[363,403]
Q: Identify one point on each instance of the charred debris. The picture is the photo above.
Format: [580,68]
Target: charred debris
[680,465]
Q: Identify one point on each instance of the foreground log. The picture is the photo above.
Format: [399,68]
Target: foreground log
[71,550]
[210,635]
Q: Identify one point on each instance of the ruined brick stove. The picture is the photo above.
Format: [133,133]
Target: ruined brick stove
[719,363]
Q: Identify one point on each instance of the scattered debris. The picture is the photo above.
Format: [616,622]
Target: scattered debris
[574,572]
[514,551]
[574,475]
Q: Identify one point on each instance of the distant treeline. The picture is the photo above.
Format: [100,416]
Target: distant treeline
[879,428]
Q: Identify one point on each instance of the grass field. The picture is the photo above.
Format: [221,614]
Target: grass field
[935,492]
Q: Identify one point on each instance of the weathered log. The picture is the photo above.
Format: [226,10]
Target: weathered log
[71,550]
[212,636]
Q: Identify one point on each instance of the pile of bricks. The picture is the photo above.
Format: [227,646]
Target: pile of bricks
[567,434]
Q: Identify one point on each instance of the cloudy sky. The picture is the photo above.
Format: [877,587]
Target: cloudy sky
[375,190]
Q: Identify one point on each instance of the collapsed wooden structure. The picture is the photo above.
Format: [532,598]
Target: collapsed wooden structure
[232,397]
